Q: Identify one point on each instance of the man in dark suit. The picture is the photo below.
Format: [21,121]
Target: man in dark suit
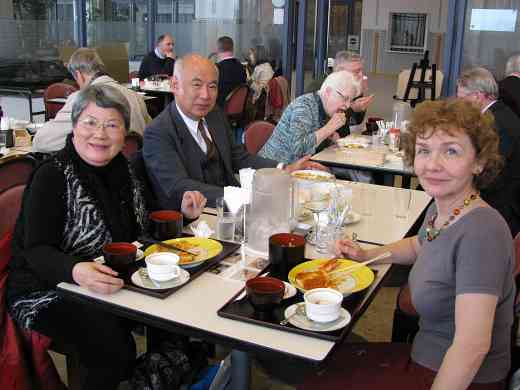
[231,72]
[190,146]
[479,86]
[161,60]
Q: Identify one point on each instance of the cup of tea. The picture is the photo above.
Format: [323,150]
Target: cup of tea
[166,224]
[119,255]
[286,251]
[323,304]
[162,266]
[265,293]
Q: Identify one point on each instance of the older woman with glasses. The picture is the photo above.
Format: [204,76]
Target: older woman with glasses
[311,121]
[77,201]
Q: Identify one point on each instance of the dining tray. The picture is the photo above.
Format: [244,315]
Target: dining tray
[242,310]
[228,248]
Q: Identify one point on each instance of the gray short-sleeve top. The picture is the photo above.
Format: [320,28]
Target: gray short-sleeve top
[474,255]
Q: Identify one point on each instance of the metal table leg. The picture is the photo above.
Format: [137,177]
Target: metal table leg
[240,370]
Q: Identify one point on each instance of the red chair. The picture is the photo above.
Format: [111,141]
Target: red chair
[133,143]
[53,91]
[133,75]
[256,135]
[14,175]
[277,98]
[235,105]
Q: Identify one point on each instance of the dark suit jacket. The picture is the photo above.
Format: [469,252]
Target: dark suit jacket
[231,75]
[504,193]
[172,170]
[509,90]
[152,65]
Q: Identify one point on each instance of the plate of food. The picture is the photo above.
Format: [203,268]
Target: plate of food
[205,247]
[314,175]
[328,273]
[353,142]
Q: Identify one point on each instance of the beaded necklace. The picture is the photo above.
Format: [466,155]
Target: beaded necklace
[432,233]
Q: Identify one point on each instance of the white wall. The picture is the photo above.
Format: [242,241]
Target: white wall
[376,12]
[6,8]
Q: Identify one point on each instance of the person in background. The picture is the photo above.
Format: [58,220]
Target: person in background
[353,63]
[83,197]
[190,146]
[479,87]
[161,60]
[509,87]
[312,120]
[231,73]
[262,71]
[462,259]
[88,69]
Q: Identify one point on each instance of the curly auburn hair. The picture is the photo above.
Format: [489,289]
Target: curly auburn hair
[453,116]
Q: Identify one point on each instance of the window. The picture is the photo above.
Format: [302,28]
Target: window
[407,32]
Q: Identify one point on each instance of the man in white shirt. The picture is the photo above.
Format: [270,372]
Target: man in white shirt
[87,68]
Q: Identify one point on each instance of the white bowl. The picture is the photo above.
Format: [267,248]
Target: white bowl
[162,266]
[323,304]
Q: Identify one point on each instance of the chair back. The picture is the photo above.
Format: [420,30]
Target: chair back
[235,104]
[15,173]
[15,170]
[139,168]
[133,143]
[133,75]
[277,98]
[10,204]
[256,135]
[56,90]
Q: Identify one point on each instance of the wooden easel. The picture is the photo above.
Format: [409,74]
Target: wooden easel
[422,84]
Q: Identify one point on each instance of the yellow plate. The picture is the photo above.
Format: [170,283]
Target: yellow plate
[209,249]
[358,280]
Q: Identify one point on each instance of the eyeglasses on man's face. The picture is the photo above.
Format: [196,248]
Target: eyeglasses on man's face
[346,99]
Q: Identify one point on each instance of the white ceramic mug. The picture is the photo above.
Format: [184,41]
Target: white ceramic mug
[162,266]
[323,304]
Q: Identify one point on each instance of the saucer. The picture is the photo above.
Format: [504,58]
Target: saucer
[140,278]
[301,321]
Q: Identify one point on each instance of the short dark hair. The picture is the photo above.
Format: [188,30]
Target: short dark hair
[225,44]
[162,36]
[103,96]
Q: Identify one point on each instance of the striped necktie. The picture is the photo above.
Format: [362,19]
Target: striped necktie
[210,146]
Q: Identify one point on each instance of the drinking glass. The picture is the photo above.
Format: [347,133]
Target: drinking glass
[341,199]
[316,207]
[402,200]
[3,140]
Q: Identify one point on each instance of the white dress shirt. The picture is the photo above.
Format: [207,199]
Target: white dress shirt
[193,127]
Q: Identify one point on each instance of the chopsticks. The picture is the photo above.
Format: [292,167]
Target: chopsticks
[171,246]
[349,269]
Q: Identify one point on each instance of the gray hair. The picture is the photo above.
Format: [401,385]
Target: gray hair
[344,56]
[179,64]
[86,61]
[479,80]
[102,96]
[513,64]
[341,81]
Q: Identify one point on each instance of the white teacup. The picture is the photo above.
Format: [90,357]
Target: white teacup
[323,304]
[135,82]
[162,266]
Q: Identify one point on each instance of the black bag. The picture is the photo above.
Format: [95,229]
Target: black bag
[174,363]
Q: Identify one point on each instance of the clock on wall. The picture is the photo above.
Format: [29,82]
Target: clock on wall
[278,3]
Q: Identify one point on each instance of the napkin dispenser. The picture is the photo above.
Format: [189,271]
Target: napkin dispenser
[270,207]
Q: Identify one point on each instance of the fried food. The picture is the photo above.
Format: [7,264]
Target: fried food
[318,278]
[311,176]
